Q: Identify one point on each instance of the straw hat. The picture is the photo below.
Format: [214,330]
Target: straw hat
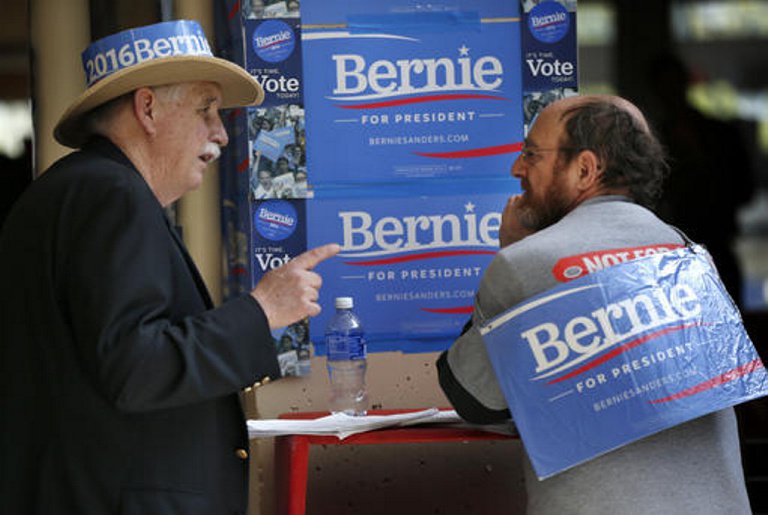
[154,55]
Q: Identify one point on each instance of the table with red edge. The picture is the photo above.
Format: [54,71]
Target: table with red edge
[292,451]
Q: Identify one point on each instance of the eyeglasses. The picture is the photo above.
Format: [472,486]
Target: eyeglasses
[531,155]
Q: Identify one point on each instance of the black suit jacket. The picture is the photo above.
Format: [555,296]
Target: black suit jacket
[118,380]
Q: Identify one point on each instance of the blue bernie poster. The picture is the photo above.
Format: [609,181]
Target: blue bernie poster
[414,118]
[620,354]
[413,265]
[398,94]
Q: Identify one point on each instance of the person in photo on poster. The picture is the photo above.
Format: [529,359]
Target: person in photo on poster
[262,186]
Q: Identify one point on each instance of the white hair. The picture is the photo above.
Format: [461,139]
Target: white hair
[99,120]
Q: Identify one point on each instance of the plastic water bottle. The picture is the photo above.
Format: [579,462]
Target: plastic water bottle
[345,344]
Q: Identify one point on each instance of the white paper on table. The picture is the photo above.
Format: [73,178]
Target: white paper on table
[342,426]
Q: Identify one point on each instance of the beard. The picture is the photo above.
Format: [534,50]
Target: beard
[541,211]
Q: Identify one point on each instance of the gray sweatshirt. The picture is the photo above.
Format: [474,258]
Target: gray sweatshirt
[694,468]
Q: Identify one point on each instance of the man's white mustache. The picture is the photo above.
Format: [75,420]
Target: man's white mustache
[213,150]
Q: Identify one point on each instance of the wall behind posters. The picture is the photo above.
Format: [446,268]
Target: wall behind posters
[389,127]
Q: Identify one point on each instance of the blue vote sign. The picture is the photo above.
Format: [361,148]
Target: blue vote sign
[620,354]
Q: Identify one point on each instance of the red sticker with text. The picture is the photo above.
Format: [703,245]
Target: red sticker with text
[573,267]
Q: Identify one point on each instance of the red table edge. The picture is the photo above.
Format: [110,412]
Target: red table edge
[292,451]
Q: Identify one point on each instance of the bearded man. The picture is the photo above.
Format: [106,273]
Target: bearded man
[590,170]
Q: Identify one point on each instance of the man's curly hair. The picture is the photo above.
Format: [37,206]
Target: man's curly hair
[630,155]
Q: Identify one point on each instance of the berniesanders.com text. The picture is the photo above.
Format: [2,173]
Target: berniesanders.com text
[427,139]
[424,295]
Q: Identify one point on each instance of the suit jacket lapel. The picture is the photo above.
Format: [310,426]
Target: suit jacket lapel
[190,264]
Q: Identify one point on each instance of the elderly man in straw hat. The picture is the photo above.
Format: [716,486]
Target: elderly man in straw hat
[118,378]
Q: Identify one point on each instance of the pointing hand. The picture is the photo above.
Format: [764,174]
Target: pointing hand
[289,293]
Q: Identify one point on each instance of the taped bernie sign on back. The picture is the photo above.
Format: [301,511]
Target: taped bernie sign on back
[620,354]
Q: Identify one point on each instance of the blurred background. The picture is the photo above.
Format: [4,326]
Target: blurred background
[697,68]
[710,56]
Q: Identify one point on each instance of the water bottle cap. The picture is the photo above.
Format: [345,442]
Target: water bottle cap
[344,302]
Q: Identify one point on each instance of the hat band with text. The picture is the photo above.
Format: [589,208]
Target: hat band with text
[135,46]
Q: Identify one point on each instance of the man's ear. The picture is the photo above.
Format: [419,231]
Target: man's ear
[145,104]
[589,169]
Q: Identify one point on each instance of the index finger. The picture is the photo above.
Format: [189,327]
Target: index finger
[311,258]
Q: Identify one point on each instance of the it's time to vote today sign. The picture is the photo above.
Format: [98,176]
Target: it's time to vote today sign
[620,354]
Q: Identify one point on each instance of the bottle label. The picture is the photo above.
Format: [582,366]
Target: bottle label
[342,348]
